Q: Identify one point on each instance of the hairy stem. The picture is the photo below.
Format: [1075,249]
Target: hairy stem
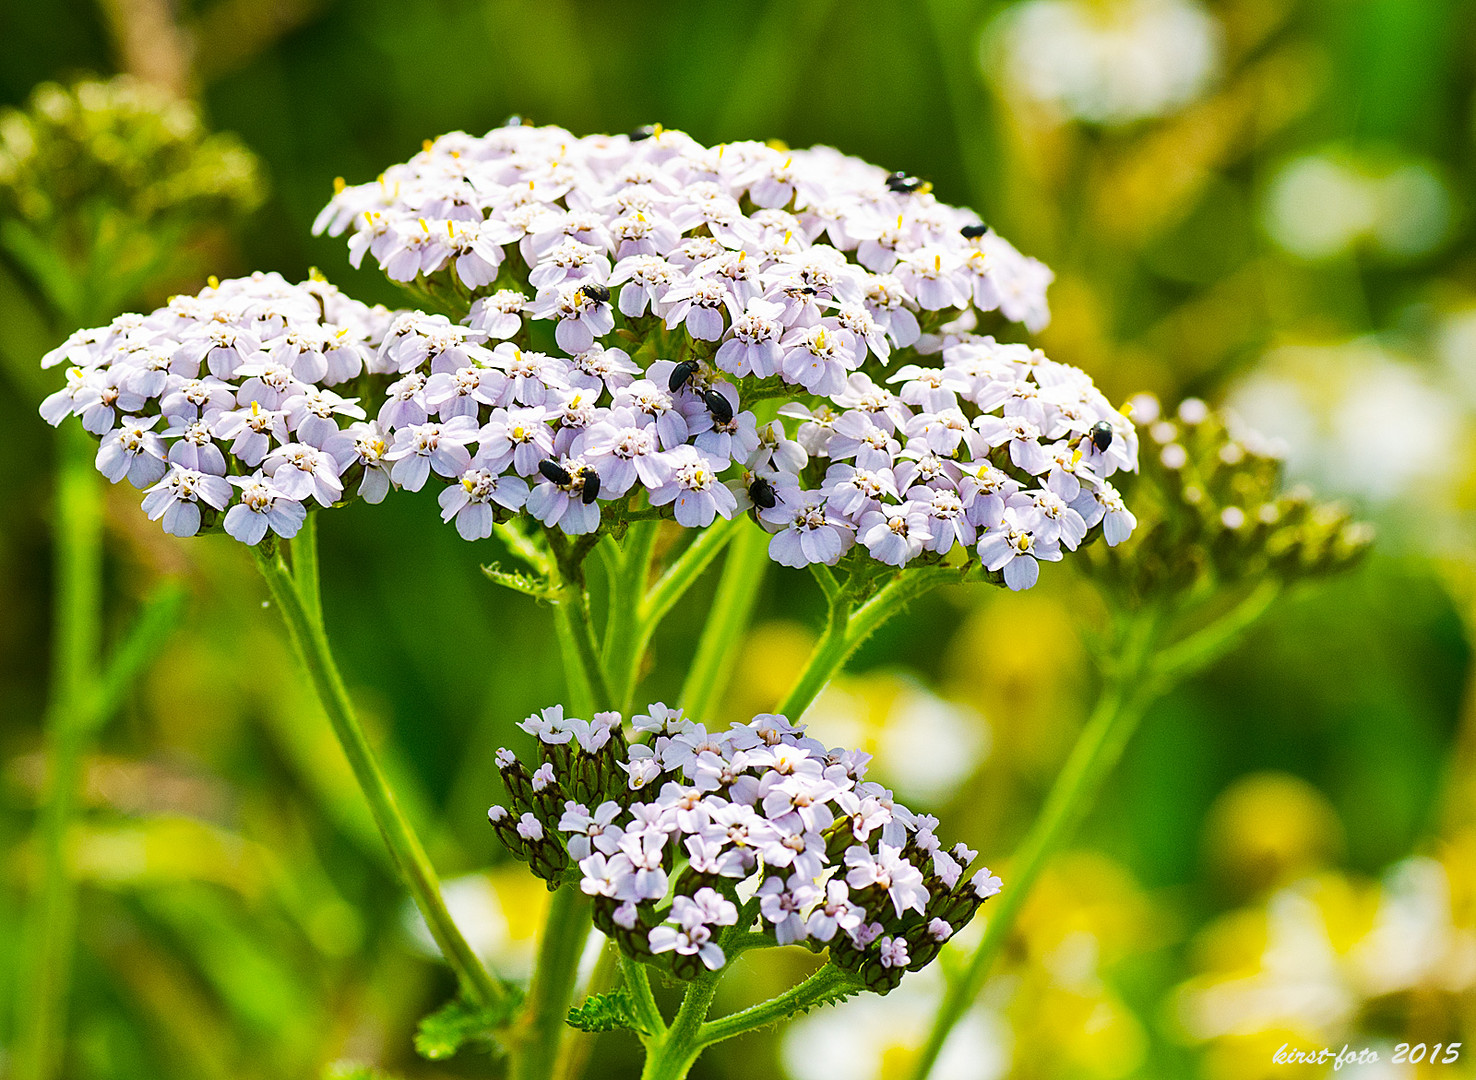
[1193,652]
[638,984]
[712,666]
[305,567]
[671,1056]
[575,609]
[1141,673]
[678,577]
[824,985]
[311,646]
[624,641]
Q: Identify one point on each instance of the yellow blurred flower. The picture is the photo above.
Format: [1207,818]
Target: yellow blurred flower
[1267,829]
[1331,960]
[500,911]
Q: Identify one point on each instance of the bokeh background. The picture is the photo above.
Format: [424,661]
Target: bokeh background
[1262,202]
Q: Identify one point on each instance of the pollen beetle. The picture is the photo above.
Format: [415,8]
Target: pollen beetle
[722,412]
[681,375]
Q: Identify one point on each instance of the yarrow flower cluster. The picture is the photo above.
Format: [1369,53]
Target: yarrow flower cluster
[220,404]
[700,837]
[670,291]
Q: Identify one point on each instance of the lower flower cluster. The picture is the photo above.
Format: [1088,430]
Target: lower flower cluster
[699,842]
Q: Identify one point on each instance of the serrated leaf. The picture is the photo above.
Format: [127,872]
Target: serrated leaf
[609,1011]
[537,587]
[458,1023]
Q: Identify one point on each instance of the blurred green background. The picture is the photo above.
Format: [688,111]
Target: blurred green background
[1265,202]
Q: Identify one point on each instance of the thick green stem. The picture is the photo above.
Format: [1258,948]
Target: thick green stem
[576,676]
[575,608]
[1194,652]
[77,619]
[577,1046]
[1142,673]
[671,1056]
[624,641]
[847,627]
[305,567]
[541,1029]
[311,645]
[598,679]
[712,666]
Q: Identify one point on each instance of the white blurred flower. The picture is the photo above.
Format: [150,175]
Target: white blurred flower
[1355,419]
[1456,345]
[871,1038]
[1108,63]
[1299,986]
[1415,942]
[1322,205]
[902,723]
[1321,964]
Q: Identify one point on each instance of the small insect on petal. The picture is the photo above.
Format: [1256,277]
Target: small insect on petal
[902,183]
[554,472]
[681,375]
[718,405]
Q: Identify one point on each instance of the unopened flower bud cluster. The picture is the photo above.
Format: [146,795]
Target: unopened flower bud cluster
[123,146]
[1211,504]
[702,836]
[643,395]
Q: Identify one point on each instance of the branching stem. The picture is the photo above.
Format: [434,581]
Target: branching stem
[310,643]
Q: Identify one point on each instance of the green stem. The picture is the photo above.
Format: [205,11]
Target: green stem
[624,641]
[847,627]
[575,608]
[576,675]
[78,604]
[712,666]
[1124,698]
[305,566]
[671,1056]
[638,984]
[576,1048]
[311,645]
[540,1029]
[1195,651]
[593,681]
[827,983]
[678,577]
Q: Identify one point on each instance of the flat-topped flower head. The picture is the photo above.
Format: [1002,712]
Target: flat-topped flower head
[624,305]
[701,836]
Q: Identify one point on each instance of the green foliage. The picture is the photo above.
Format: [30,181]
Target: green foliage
[352,1070]
[106,185]
[457,1024]
[610,1011]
